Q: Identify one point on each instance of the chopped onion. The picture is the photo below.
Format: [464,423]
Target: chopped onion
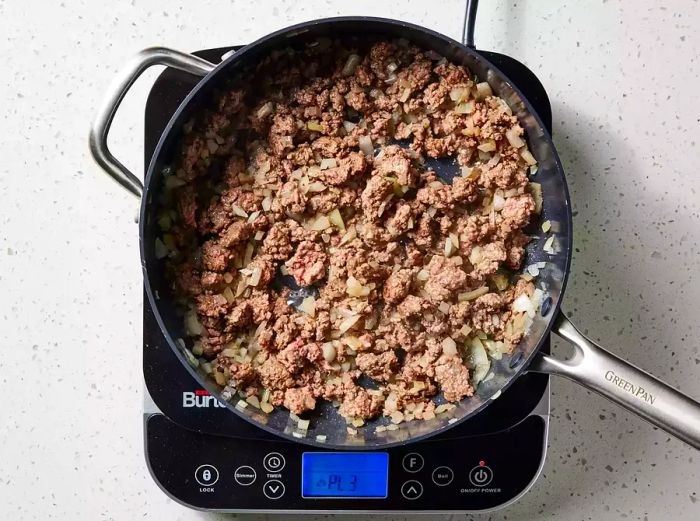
[366,146]
[449,346]
[423,275]
[314,126]
[265,110]
[536,191]
[449,247]
[475,255]
[471,295]
[549,245]
[192,324]
[327,163]
[488,146]
[336,219]
[459,94]
[513,137]
[478,360]
[320,223]
[161,249]
[498,202]
[267,203]
[483,90]
[465,108]
[346,324]
[523,304]
[308,306]
[528,157]
[405,94]
[348,126]
[350,65]
[255,276]
[546,226]
[240,212]
[355,289]
[329,351]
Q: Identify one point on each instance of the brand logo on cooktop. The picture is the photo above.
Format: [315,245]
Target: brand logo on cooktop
[636,390]
[200,399]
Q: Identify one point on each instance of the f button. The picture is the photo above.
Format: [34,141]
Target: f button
[412,462]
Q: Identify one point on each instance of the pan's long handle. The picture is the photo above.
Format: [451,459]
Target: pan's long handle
[115,94]
[603,372]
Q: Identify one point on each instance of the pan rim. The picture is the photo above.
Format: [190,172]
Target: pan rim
[147,194]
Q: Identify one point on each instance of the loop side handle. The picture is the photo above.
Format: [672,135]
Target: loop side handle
[114,96]
[636,390]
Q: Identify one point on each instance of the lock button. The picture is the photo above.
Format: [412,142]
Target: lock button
[206,475]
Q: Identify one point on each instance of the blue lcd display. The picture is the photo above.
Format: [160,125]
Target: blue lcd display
[344,474]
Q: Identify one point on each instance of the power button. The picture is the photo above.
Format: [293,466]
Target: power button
[481,475]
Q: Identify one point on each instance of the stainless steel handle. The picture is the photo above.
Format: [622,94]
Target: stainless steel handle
[115,94]
[638,391]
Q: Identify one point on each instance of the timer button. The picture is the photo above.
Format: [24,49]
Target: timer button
[480,476]
[206,475]
[273,489]
[443,476]
[412,489]
[412,462]
[274,462]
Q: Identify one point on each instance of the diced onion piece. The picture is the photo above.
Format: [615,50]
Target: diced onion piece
[454,239]
[366,146]
[266,407]
[483,90]
[405,94]
[336,219]
[350,65]
[327,163]
[423,275]
[192,324]
[533,170]
[316,187]
[228,295]
[459,94]
[449,346]
[329,351]
[546,226]
[523,304]
[465,108]
[449,247]
[320,223]
[471,295]
[350,234]
[478,360]
[348,126]
[265,110]
[255,276]
[314,126]
[240,212]
[308,306]
[253,216]
[500,281]
[444,307]
[528,157]
[536,191]
[475,255]
[533,270]
[498,202]
[346,324]
[513,137]
[549,246]
[254,401]
[355,289]
[488,146]
[267,203]
[161,249]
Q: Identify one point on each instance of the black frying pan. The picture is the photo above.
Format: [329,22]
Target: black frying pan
[591,365]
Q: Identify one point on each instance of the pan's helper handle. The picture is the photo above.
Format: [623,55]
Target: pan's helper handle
[638,391]
[115,94]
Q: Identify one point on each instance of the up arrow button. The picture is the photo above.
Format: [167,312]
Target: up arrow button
[412,489]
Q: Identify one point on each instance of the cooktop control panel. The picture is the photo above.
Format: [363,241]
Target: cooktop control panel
[445,474]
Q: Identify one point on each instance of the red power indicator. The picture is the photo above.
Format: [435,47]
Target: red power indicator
[482,463]
[201,392]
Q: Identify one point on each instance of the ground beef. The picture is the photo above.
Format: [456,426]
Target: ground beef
[308,265]
[272,192]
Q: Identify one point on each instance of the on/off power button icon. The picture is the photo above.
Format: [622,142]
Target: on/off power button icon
[481,475]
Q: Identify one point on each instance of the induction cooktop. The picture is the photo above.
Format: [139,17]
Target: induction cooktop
[205,457]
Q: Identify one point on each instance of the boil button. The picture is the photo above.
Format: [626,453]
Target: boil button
[443,476]
[481,475]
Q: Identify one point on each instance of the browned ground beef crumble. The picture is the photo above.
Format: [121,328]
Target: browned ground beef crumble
[280,176]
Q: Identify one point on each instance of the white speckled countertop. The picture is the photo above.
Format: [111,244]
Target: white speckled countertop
[623,79]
